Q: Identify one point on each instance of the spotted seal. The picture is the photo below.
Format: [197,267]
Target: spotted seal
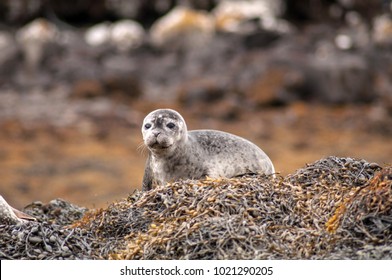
[10,215]
[176,153]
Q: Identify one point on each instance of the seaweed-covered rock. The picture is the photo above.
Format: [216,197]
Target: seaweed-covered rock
[334,208]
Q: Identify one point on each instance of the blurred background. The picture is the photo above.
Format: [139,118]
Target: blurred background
[302,79]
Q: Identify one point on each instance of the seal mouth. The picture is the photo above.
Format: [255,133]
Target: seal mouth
[159,146]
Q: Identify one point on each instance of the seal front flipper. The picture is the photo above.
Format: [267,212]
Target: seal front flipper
[10,215]
[147,178]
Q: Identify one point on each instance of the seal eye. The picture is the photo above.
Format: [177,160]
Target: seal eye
[147,126]
[171,125]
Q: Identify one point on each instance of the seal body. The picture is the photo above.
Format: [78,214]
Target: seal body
[176,153]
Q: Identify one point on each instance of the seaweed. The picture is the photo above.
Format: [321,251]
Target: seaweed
[334,208]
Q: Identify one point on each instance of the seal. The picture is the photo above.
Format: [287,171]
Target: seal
[12,216]
[176,153]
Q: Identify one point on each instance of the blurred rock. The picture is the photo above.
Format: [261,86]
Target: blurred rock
[98,35]
[340,77]
[355,34]
[382,69]
[33,38]
[367,8]
[7,46]
[382,30]
[8,56]
[190,63]
[126,35]
[249,16]
[17,11]
[344,42]
[124,8]
[123,35]
[182,28]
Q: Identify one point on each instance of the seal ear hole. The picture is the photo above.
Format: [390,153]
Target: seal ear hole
[147,126]
[171,125]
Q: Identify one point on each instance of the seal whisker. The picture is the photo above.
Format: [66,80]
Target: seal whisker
[142,148]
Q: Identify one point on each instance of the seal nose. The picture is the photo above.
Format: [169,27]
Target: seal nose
[156,133]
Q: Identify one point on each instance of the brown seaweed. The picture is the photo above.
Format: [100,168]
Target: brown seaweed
[334,208]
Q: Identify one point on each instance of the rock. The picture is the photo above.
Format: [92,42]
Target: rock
[7,47]
[123,35]
[355,33]
[48,248]
[34,38]
[34,229]
[382,30]
[98,34]
[343,42]
[126,35]
[8,56]
[237,16]
[125,9]
[35,239]
[182,28]
[368,8]
[340,77]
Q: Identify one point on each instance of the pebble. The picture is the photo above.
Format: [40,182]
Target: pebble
[374,165]
[48,248]
[35,239]
[20,235]
[38,203]
[41,256]
[66,254]
[34,230]
[361,178]
[52,239]
[38,251]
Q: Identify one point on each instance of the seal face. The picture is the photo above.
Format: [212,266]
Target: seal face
[163,131]
[176,153]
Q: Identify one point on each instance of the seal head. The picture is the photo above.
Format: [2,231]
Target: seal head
[164,131]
